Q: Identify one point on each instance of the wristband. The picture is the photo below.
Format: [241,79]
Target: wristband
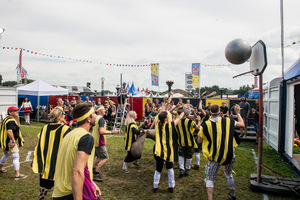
[13,142]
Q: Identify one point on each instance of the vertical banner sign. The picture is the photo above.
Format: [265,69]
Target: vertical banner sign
[195,74]
[188,81]
[154,73]
[22,74]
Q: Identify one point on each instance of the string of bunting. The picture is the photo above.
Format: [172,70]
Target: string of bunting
[221,65]
[278,49]
[113,64]
[75,59]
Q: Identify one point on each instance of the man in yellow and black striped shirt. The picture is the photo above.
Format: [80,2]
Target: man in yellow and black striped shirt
[218,141]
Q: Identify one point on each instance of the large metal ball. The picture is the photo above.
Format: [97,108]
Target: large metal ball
[238,51]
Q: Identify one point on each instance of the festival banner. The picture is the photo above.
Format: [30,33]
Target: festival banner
[195,74]
[154,73]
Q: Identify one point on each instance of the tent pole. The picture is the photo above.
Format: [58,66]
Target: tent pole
[38,105]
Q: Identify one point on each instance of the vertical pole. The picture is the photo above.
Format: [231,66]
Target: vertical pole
[260,128]
[199,80]
[158,79]
[38,105]
[282,38]
[121,89]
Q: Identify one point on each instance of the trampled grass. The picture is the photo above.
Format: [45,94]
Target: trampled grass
[139,182]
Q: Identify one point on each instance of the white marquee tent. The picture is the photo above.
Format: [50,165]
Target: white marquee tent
[40,88]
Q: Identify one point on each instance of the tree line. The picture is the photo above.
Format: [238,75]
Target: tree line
[209,89]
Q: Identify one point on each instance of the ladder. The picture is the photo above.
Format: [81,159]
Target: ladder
[120,114]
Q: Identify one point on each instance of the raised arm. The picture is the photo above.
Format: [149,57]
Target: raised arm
[201,109]
[198,120]
[170,97]
[174,109]
[176,121]
[240,122]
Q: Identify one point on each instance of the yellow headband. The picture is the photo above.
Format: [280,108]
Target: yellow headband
[99,108]
[86,115]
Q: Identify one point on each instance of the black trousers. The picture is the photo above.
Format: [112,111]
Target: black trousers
[160,164]
[129,157]
[123,97]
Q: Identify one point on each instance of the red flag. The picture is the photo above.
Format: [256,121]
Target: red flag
[138,89]
[147,91]
[22,74]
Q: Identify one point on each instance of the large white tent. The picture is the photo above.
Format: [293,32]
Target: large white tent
[40,88]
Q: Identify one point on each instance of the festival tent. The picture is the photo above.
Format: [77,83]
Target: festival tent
[293,71]
[132,90]
[252,94]
[40,88]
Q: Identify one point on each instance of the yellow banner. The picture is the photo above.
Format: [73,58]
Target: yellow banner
[195,80]
[154,69]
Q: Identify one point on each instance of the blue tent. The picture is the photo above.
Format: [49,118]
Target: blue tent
[293,71]
[132,90]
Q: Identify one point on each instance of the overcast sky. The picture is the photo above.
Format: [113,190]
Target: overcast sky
[173,33]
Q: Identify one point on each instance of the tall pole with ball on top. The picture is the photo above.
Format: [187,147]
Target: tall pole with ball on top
[237,52]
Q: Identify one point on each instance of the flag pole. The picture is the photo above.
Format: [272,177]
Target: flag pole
[158,79]
[199,79]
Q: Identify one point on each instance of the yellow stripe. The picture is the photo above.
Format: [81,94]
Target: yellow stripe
[181,134]
[35,167]
[157,139]
[171,143]
[164,141]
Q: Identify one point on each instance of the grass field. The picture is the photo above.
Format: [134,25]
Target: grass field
[139,182]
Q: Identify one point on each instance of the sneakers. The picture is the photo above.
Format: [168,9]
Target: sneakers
[155,190]
[195,167]
[3,170]
[21,176]
[187,171]
[125,171]
[171,190]
[137,164]
[181,173]
[231,196]
[97,177]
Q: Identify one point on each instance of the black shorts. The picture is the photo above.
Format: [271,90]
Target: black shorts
[46,183]
[67,197]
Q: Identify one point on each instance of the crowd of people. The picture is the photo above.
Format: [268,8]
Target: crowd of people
[70,160]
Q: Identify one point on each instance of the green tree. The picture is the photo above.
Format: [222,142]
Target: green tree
[9,83]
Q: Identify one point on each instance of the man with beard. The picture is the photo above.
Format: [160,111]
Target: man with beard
[245,111]
[73,172]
